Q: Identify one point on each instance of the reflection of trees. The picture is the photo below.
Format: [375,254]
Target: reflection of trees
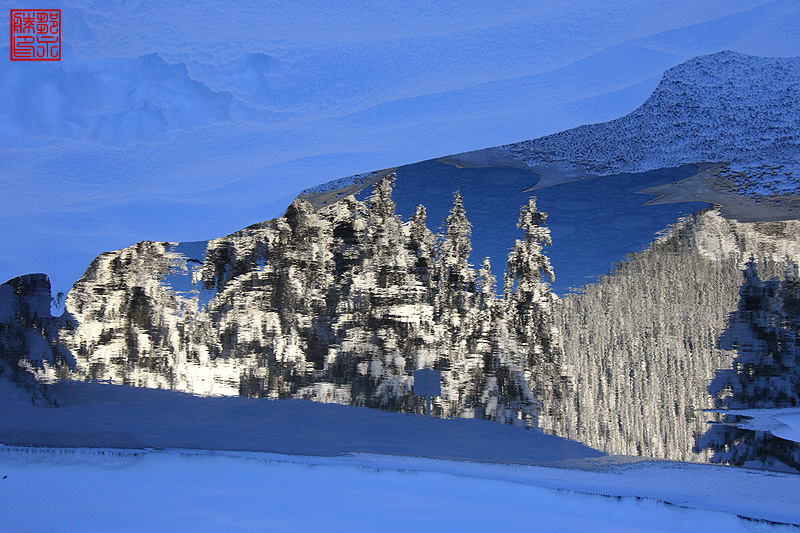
[642,342]
[337,305]
[764,333]
[730,445]
[28,335]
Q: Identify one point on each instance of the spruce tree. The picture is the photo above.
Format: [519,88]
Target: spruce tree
[456,280]
[529,310]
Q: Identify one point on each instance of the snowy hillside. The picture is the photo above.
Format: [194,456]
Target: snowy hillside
[725,107]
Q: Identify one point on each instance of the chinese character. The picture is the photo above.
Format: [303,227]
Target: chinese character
[35,35]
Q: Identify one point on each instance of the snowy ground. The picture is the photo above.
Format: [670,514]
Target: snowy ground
[150,459]
[183,490]
[185,121]
[101,415]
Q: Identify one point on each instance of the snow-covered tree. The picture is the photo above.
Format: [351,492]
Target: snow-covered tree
[528,270]
[456,278]
[422,243]
[529,308]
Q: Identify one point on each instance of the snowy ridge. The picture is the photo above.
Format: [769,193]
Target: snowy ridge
[724,107]
[340,183]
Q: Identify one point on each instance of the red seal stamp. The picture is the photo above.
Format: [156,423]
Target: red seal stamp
[35,35]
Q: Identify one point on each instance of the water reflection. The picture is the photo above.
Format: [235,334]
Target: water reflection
[594,223]
[685,326]
[342,305]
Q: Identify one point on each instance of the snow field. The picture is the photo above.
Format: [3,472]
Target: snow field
[107,490]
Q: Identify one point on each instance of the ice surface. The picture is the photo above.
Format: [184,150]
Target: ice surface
[188,121]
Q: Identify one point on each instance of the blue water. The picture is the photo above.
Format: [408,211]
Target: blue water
[594,223]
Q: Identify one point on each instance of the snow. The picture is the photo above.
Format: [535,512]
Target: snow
[132,459]
[781,422]
[724,107]
[187,490]
[337,184]
[186,121]
[103,415]
[790,430]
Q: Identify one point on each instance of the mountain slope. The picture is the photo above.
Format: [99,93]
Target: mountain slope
[725,107]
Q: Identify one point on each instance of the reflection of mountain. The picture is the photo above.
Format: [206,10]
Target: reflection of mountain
[338,305]
[29,334]
[642,343]
[342,304]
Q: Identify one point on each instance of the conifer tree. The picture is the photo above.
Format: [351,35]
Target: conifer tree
[421,241]
[529,308]
[456,280]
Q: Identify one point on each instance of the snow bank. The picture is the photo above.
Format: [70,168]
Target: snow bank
[783,422]
[99,415]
